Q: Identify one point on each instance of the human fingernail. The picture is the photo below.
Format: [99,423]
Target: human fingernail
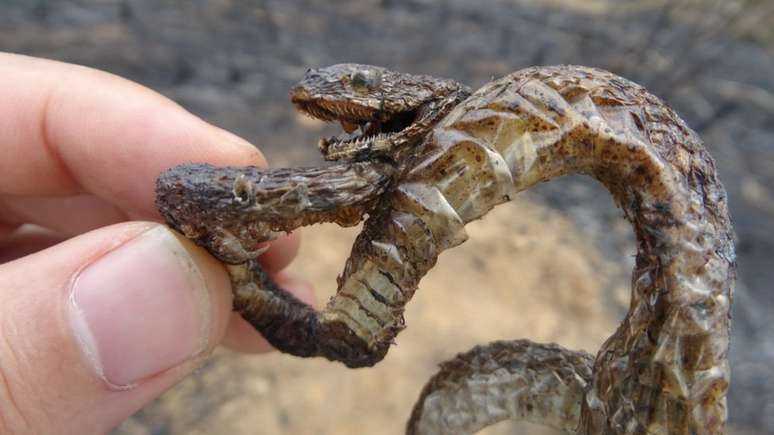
[141,309]
[242,143]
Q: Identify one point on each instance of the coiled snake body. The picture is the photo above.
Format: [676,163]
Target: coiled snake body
[433,157]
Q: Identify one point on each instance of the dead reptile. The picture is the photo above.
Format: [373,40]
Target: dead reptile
[429,160]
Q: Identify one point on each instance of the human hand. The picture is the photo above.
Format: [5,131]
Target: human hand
[99,315]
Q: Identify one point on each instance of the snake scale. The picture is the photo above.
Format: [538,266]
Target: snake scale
[425,156]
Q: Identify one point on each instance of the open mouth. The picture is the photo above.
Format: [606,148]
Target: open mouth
[362,126]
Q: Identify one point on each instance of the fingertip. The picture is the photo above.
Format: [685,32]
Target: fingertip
[26,240]
[218,288]
[112,317]
[73,129]
[243,338]
[282,252]
[249,154]
[133,326]
[7,229]
[298,287]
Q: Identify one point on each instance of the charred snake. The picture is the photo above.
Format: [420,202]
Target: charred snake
[426,157]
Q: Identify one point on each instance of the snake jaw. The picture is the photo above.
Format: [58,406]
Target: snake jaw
[378,109]
[363,131]
[348,127]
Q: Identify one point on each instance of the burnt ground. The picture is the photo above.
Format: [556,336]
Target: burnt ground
[232,61]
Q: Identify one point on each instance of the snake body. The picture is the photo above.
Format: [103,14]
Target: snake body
[663,371]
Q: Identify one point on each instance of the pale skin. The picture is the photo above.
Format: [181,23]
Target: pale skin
[80,150]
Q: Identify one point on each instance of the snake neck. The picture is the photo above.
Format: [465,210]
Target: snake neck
[670,353]
[666,366]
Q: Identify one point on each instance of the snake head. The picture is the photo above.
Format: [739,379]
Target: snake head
[379,110]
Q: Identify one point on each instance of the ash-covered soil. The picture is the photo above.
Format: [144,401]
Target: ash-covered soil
[552,266]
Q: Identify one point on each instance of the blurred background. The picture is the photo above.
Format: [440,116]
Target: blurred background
[552,266]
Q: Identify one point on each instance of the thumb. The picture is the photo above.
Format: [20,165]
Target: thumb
[95,327]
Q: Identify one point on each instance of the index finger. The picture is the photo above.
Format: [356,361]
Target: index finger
[67,129]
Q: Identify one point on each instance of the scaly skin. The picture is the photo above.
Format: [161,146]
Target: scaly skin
[516,380]
[358,94]
[664,371]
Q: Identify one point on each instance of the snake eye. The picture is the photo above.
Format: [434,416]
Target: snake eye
[365,80]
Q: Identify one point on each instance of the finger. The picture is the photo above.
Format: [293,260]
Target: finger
[68,129]
[70,215]
[101,324]
[27,240]
[73,215]
[6,229]
[242,337]
[281,253]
